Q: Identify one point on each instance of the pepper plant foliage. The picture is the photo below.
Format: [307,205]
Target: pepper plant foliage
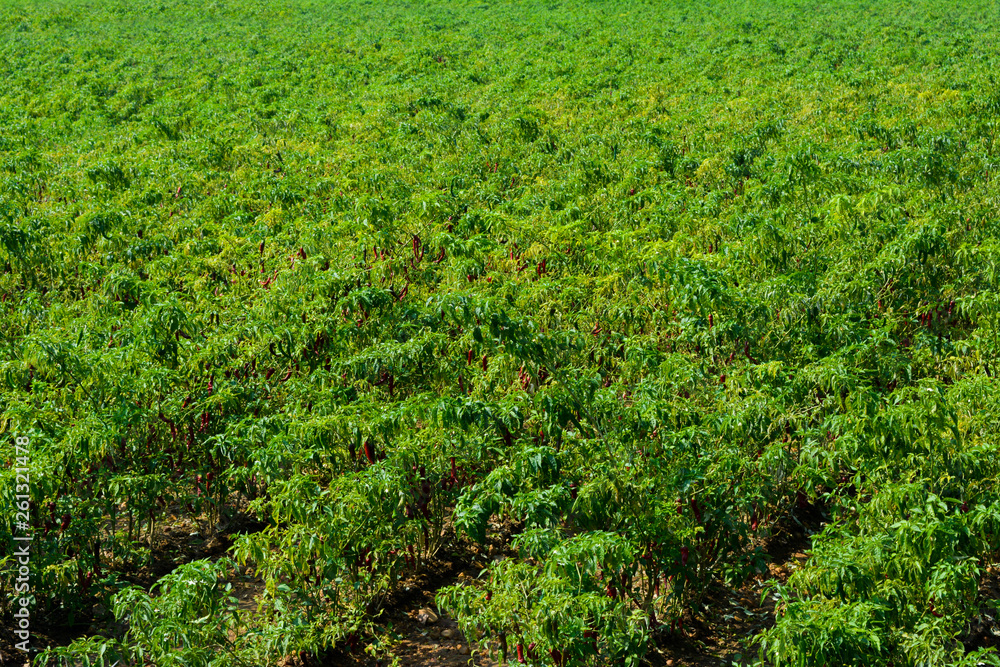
[637,280]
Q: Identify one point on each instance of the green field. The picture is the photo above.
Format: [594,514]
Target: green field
[617,333]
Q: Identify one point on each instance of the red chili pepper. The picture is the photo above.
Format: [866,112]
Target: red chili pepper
[685,552]
[801,499]
[520,654]
[697,512]
[369,451]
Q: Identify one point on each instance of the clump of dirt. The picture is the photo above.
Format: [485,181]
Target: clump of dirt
[434,639]
[722,630]
[984,628]
[187,539]
[176,541]
[9,655]
[437,643]
[415,636]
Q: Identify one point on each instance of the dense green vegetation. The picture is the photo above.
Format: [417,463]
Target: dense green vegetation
[639,278]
